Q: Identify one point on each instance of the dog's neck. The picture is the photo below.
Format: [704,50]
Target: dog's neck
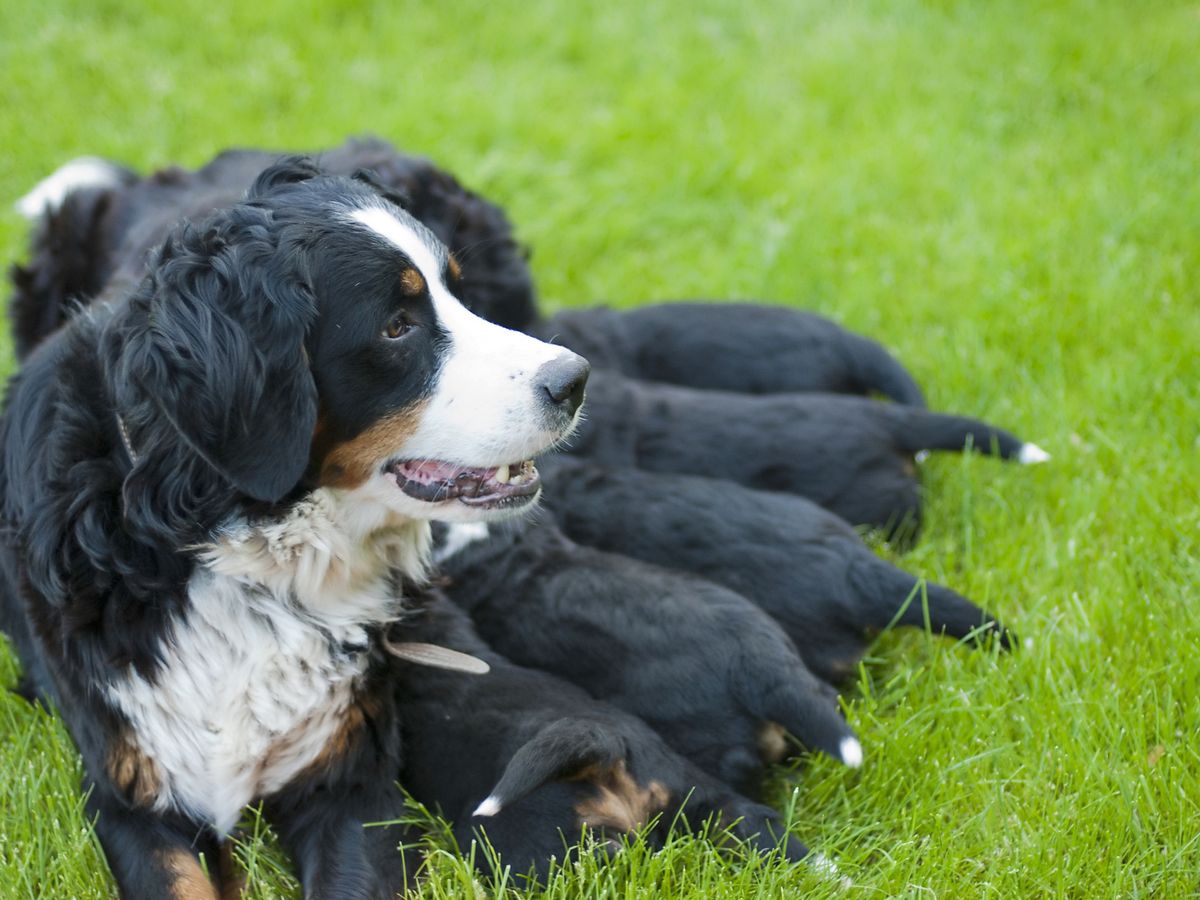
[339,558]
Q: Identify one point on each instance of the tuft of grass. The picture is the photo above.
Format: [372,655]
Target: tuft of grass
[1005,193]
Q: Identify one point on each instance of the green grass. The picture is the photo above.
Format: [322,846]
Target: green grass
[1006,193]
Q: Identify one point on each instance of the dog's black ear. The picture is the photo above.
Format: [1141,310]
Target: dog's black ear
[213,351]
[391,192]
[289,170]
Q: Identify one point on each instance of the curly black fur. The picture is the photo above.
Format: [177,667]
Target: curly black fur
[100,239]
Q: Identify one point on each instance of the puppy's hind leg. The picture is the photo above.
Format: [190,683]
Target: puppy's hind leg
[806,709]
[761,828]
[559,750]
[889,596]
[916,429]
[879,371]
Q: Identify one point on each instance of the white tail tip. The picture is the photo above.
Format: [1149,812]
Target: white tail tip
[489,807]
[852,752]
[823,864]
[1031,455]
[49,193]
[827,868]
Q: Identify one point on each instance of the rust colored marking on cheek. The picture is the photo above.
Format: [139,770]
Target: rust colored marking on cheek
[412,282]
[350,463]
[453,268]
[620,803]
[134,773]
[188,881]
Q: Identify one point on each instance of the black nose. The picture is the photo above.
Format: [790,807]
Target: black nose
[564,379]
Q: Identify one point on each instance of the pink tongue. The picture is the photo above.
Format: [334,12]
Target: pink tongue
[431,471]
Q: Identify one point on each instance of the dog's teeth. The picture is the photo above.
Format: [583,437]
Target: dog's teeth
[501,475]
[523,474]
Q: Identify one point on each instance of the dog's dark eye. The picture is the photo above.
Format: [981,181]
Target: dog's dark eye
[397,328]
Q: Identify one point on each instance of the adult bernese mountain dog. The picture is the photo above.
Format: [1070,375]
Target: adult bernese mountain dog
[215,482]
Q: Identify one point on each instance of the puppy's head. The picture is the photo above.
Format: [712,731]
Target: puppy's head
[311,336]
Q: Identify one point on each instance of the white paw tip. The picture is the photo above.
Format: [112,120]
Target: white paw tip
[489,807]
[851,751]
[1031,455]
[921,455]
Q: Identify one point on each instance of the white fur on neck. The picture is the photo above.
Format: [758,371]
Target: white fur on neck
[332,555]
[262,666]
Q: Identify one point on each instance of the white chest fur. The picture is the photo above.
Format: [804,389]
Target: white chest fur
[261,669]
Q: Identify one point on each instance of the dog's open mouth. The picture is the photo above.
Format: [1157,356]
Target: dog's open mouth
[434,481]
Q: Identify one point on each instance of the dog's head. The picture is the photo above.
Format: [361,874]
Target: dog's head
[310,337]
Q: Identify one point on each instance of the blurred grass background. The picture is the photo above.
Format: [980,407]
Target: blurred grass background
[1004,193]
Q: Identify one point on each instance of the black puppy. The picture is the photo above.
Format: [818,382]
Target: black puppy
[709,670]
[852,455]
[530,760]
[96,221]
[800,563]
[746,347]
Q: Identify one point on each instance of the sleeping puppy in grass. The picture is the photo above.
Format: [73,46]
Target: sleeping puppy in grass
[745,347]
[705,667]
[801,564]
[522,762]
[852,455]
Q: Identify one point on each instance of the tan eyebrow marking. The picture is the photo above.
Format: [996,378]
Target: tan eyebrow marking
[412,282]
[453,267]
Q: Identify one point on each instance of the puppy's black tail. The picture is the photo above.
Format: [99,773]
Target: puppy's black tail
[889,596]
[66,266]
[806,709]
[559,750]
[919,429]
[879,371]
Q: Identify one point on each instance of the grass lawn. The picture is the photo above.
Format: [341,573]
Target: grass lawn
[1007,194]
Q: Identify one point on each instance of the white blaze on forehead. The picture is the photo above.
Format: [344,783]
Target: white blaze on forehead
[406,238]
[487,408]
